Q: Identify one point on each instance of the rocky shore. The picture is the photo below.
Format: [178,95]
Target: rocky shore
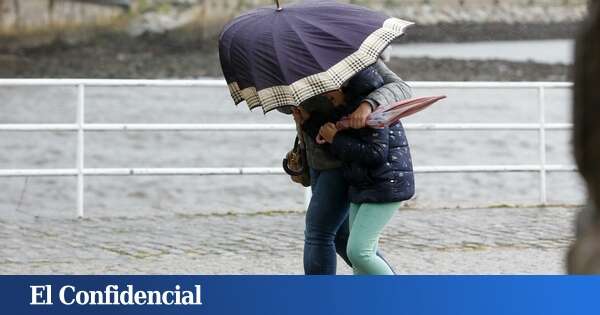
[490,11]
[183,54]
[153,65]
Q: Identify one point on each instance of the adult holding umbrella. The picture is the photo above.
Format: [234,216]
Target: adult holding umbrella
[288,58]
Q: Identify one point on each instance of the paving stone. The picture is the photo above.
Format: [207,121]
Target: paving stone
[463,241]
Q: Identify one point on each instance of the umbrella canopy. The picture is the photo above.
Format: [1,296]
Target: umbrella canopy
[274,57]
[387,115]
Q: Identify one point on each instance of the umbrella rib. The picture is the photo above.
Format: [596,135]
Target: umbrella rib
[227,52]
[251,65]
[298,34]
[338,38]
[284,74]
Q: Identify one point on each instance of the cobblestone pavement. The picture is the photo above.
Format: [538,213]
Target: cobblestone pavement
[456,241]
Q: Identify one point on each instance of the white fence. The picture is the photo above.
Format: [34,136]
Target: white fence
[81,127]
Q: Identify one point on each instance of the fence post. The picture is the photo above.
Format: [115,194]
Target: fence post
[542,134]
[80,148]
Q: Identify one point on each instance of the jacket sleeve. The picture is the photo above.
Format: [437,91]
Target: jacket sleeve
[370,150]
[394,89]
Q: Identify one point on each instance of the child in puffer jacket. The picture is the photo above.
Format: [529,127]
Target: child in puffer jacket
[378,167]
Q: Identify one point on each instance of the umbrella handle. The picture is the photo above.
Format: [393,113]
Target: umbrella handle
[279,8]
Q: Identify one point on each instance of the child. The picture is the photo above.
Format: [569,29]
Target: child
[378,167]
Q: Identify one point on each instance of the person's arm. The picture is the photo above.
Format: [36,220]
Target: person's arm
[394,89]
[369,152]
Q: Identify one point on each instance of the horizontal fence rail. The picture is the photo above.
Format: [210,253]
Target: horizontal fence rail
[266,170]
[259,127]
[222,83]
[81,127]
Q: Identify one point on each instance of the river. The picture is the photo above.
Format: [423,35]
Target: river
[542,51]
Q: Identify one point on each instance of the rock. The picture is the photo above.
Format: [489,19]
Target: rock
[503,12]
[158,22]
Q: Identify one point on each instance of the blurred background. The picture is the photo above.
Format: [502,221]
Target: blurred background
[453,40]
[177,38]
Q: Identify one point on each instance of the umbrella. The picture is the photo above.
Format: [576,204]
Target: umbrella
[281,56]
[386,115]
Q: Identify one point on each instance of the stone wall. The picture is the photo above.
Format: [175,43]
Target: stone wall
[217,12]
[489,11]
[18,16]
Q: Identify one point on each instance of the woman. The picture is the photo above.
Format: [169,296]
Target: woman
[326,230]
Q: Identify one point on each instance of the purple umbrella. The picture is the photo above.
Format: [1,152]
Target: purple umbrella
[275,57]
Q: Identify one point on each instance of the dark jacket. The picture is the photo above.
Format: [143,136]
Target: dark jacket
[392,89]
[355,91]
[377,163]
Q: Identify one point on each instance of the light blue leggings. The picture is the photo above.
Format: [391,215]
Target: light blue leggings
[367,220]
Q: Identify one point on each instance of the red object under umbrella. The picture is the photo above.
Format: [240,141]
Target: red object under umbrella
[386,115]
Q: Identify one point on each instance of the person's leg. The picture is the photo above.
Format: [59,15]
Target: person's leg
[341,242]
[326,212]
[352,214]
[366,223]
[351,217]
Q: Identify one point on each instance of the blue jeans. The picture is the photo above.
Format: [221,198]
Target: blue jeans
[327,228]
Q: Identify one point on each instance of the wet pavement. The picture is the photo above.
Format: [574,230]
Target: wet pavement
[444,241]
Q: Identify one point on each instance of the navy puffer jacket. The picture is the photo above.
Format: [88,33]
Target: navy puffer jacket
[377,163]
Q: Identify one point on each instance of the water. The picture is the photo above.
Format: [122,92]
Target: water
[151,195]
[543,51]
